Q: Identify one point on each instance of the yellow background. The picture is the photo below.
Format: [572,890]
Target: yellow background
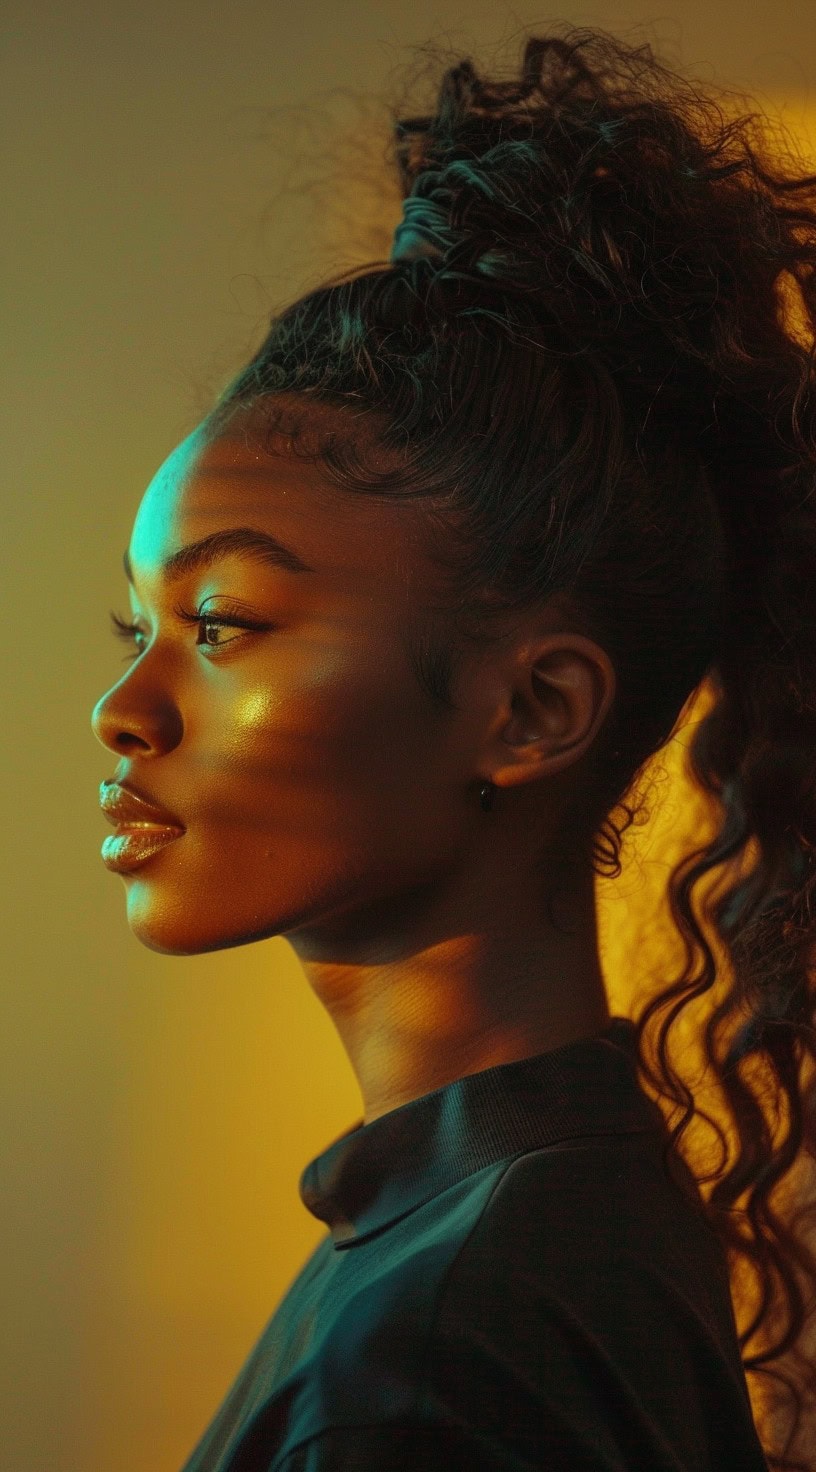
[158,1111]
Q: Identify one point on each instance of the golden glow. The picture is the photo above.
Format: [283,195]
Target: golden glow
[238,1079]
[235,1077]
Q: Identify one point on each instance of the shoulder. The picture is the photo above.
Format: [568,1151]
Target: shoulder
[590,1305]
[600,1196]
[598,1232]
[558,1309]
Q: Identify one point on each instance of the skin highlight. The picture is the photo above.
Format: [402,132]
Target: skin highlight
[327,799]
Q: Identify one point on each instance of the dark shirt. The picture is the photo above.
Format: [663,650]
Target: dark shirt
[513,1281]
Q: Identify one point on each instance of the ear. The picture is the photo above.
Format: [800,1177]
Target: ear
[559,694]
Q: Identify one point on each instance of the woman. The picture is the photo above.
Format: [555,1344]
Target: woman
[412,609]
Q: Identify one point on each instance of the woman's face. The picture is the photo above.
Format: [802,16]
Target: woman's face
[313,775]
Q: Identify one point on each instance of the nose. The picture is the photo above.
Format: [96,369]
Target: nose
[130,719]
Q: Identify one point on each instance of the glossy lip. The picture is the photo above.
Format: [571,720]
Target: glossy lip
[128,848]
[124,807]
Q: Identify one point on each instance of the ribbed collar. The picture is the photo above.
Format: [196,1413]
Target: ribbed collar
[375,1173]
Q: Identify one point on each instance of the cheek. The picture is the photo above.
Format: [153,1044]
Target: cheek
[314,789]
[321,726]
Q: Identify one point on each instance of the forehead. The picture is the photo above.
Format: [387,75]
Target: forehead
[213,481]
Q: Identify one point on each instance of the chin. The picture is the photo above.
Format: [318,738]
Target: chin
[174,929]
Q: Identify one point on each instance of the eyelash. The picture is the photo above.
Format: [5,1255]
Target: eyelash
[124,629]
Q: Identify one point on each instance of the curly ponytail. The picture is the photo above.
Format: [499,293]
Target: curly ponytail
[592,353]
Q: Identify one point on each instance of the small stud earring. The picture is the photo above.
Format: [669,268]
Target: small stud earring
[486,795]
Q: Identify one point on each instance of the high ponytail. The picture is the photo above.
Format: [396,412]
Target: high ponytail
[591,353]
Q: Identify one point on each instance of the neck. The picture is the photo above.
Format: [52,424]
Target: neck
[424,1004]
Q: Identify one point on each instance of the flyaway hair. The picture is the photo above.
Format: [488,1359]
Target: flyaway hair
[591,357]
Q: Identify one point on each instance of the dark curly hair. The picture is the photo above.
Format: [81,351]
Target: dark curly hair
[591,354]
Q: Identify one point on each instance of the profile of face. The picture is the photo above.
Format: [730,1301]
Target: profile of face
[272,707]
[283,725]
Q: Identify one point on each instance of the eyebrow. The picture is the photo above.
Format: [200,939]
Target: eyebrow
[245,542]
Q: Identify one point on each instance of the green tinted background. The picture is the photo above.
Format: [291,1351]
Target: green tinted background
[171,173]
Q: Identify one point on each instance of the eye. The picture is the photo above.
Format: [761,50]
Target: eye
[129,632]
[133,633]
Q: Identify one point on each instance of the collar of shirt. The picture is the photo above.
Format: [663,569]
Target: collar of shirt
[375,1173]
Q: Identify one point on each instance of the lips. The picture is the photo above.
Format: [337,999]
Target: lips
[126,808]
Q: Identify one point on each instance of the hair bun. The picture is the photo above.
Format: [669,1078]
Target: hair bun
[584,190]
[425,228]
